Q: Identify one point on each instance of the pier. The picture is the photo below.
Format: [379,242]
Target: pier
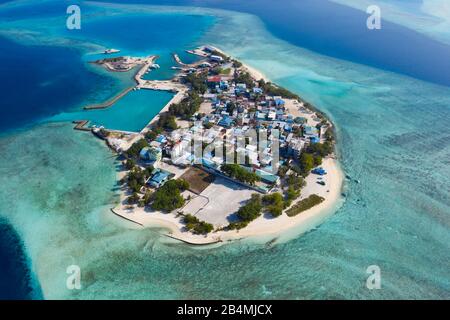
[81,125]
[147,63]
[177,59]
[110,102]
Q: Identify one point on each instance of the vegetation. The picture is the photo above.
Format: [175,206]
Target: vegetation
[320,149]
[220,71]
[237,64]
[282,170]
[273,90]
[196,226]
[245,77]
[133,151]
[130,164]
[168,197]
[136,178]
[146,199]
[151,135]
[133,199]
[251,210]
[274,203]
[187,107]
[329,135]
[237,225]
[237,172]
[166,121]
[220,54]
[291,194]
[306,163]
[304,205]
[197,82]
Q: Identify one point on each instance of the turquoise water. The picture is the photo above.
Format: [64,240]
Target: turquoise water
[56,187]
[131,113]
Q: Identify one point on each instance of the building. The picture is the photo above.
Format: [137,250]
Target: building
[150,154]
[295,147]
[226,122]
[158,179]
[216,58]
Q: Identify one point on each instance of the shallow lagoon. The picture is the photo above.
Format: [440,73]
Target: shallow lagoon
[131,113]
[393,137]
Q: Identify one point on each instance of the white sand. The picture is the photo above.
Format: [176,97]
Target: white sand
[263,226]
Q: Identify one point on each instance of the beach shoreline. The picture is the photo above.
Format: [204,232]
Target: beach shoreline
[260,227]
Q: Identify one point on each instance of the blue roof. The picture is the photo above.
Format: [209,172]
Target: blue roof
[226,121]
[279,102]
[314,139]
[143,153]
[161,138]
[160,176]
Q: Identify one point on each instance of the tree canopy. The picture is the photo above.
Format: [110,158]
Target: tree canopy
[168,197]
[239,173]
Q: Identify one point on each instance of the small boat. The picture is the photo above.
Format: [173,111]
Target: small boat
[155,66]
[109,51]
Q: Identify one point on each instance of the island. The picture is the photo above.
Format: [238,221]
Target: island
[232,155]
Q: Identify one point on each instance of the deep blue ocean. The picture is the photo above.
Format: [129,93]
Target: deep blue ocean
[387,91]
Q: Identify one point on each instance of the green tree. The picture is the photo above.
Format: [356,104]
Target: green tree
[252,209]
[306,163]
[168,197]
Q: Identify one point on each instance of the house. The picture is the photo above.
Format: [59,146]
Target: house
[161,138]
[158,179]
[226,122]
[300,120]
[279,102]
[214,81]
[209,49]
[272,115]
[295,147]
[267,177]
[216,58]
[314,140]
[151,154]
[310,131]
[260,115]
[205,65]
[257,90]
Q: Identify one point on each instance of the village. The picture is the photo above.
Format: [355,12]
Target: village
[231,149]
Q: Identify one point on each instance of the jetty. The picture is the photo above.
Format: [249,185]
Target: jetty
[177,59]
[81,125]
[140,83]
[109,102]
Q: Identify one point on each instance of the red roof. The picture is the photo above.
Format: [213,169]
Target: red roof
[215,79]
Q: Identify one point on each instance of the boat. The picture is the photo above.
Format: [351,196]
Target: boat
[109,51]
[155,66]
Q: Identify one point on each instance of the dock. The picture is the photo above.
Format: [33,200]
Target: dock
[110,102]
[148,62]
[177,59]
[81,125]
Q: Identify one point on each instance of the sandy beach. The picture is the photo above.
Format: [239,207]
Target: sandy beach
[261,227]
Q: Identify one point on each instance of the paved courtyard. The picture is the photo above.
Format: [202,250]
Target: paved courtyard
[218,201]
